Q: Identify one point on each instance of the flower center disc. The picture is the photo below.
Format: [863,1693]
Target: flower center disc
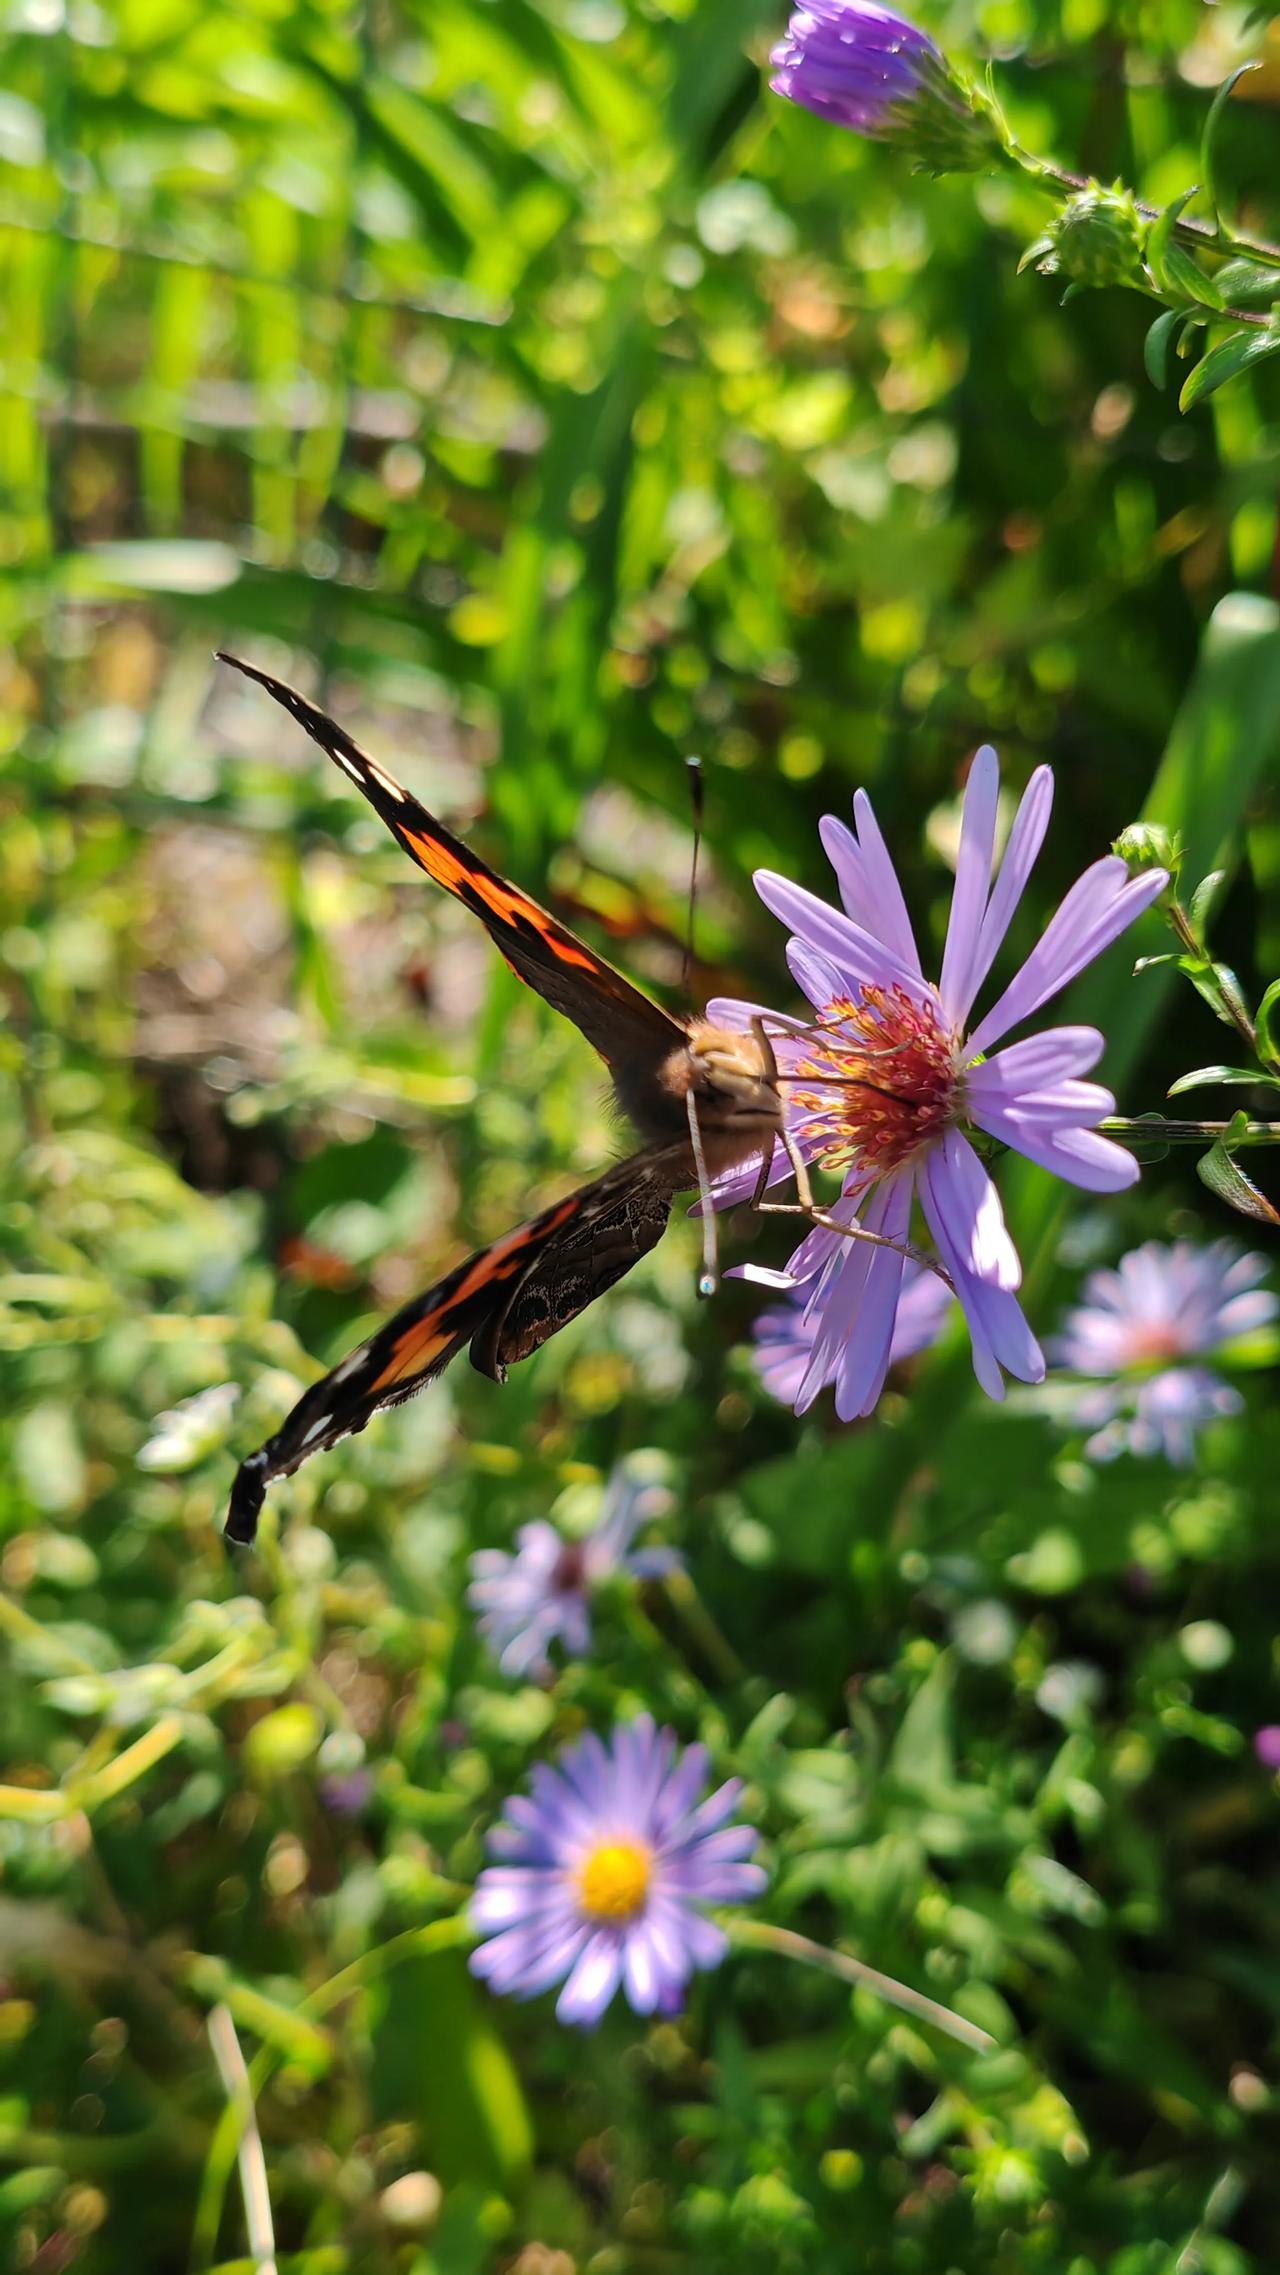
[1151,1343]
[613,1880]
[884,1080]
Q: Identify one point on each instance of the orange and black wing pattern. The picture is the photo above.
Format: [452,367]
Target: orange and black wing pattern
[627,1029]
[505,1301]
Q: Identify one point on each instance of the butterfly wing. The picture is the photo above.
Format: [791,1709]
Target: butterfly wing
[617,1020]
[505,1301]
[623,1216]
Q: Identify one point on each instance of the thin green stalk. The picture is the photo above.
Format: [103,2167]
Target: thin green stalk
[258,2223]
[20,1627]
[762,1935]
[1204,235]
[436,1935]
[1153,1129]
[702,1629]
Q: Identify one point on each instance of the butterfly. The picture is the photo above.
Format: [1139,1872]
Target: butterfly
[704,1100]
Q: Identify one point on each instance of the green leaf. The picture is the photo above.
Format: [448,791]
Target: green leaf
[282,1741]
[1209,138]
[1220,988]
[1202,901]
[1236,1008]
[1161,237]
[922,1756]
[49,1459]
[1225,740]
[1202,973]
[1260,1347]
[1204,1076]
[1221,1172]
[438,2056]
[1155,351]
[1230,357]
[1184,274]
[1267,1022]
[1248,284]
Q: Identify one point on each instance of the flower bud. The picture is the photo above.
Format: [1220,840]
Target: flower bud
[1099,237]
[1149,845]
[873,70]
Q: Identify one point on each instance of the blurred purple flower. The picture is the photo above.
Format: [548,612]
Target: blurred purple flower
[1266,1745]
[1161,1304]
[602,1873]
[871,69]
[884,1082]
[542,1593]
[784,1334]
[347,1792]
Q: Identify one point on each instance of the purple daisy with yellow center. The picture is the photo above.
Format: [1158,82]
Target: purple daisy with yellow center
[883,1084]
[601,1876]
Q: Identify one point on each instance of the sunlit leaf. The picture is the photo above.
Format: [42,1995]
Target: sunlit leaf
[1221,1172]
[1204,1075]
[1267,1023]
[1233,355]
[1211,134]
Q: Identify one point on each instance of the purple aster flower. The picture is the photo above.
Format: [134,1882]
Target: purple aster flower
[543,1592]
[784,1334]
[602,1875]
[1141,1324]
[1266,1745]
[886,1079]
[873,70]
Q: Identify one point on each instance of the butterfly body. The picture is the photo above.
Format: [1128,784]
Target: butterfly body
[733,1090]
[687,1087]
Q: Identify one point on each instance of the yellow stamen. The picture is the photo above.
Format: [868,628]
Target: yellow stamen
[613,1880]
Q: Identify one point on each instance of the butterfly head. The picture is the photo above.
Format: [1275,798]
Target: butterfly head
[733,1081]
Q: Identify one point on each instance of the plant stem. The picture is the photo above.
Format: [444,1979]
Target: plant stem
[1184,931]
[702,1628]
[1155,1130]
[442,1934]
[762,1935]
[1208,237]
[254,2188]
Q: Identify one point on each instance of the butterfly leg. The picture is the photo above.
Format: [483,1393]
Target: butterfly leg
[709,1278]
[805,1203]
[817,1215]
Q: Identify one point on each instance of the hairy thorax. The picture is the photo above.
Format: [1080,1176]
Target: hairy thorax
[733,1089]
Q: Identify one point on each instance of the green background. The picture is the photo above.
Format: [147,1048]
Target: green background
[557,404]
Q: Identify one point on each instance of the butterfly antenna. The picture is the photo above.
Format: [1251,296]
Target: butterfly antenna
[697,798]
[709,1277]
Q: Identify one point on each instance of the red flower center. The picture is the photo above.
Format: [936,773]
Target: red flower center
[883,1073]
[570,1569]
[1154,1341]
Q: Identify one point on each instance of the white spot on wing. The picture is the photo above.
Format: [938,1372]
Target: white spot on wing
[385,782]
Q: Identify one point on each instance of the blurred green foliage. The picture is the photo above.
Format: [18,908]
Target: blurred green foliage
[560,406]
